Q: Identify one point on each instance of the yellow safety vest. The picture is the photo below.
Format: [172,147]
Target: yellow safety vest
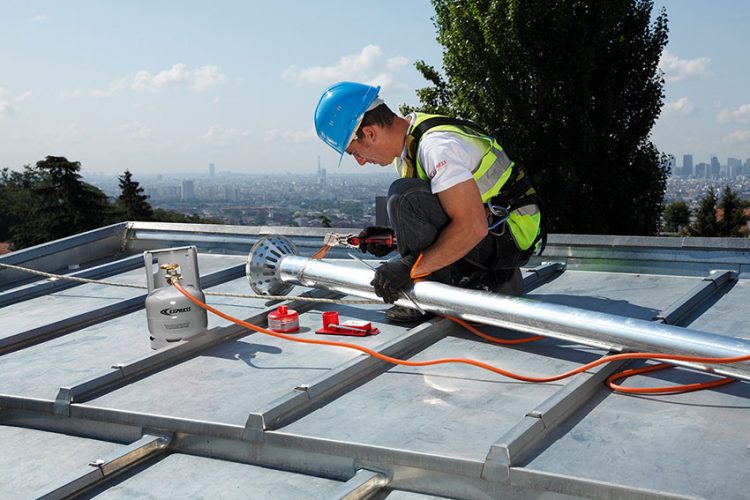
[495,175]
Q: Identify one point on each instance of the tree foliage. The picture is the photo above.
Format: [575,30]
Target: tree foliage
[676,216]
[50,201]
[132,202]
[58,203]
[574,87]
[16,199]
[720,218]
[732,213]
[705,217]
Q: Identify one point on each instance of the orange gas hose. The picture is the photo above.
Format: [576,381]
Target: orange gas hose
[672,389]
[494,369]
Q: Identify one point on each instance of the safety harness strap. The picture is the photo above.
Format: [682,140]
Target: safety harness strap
[436,121]
[517,192]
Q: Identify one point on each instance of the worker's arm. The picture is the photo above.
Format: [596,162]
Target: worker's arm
[467,227]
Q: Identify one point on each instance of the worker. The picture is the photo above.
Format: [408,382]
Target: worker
[462,212]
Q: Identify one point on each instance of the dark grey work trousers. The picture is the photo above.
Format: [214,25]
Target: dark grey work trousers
[417,217]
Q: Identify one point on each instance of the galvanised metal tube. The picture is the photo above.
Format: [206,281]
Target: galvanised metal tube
[522,314]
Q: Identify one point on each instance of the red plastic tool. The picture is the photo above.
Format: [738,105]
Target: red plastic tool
[385,239]
[351,328]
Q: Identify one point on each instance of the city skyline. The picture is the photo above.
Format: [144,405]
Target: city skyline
[148,87]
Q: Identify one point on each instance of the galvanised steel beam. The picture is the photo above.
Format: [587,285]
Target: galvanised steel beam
[75,323]
[46,285]
[595,329]
[102,469]
[123,373]
[408,470]
[699,294]
[341,380]
[364,484]
[526,437]
[544,273]
[90,246]
[353,373]
[581,487]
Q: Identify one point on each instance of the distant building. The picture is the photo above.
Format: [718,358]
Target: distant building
[188,191]
[231,193]
[701,170]
[687,165]
[321,175]
[211,170]
[734,167]
[672,164]
[715,169]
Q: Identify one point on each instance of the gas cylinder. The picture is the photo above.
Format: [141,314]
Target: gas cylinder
[171,316]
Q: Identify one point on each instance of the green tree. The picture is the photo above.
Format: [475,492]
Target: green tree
[676,216]
[63,204]
[324,220]
[705,217]
[574,87]
[16,199]
[132,202]
[733,213]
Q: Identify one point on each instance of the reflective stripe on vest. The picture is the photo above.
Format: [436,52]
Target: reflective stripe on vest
[491,174]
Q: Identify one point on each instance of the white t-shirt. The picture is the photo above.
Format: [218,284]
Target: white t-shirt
[448,158]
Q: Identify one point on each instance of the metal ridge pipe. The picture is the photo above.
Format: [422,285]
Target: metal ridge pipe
[590,328]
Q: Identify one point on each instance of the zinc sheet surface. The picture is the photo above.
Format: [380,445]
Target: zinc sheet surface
[448,429]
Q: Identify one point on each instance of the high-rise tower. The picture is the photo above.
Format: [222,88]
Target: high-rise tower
[687,165]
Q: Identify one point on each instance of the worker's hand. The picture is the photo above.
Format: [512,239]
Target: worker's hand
[393,277]
[377,248]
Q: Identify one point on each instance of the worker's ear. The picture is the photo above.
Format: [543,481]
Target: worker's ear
[370,132]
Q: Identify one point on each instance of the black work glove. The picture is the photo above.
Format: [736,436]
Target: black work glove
[376,249]
[393,277]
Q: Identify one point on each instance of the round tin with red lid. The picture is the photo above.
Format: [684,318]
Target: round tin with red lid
[283,320]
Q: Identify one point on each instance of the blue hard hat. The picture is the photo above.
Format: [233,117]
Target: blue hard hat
[340,110]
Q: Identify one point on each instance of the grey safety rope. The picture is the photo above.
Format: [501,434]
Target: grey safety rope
[216,294]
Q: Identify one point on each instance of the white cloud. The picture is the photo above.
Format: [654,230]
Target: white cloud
[222,136]
[113,87]
[69,95]
[682,106]
[740,115]
[291,136]
[8,104]
[136,131]
[178,75]
[369,66]
[39,18]
[738,137]
[23,96]
[679,70]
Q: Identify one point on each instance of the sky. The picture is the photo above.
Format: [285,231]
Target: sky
[169,87]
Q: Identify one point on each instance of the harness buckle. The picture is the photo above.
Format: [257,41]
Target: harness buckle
[500,214]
